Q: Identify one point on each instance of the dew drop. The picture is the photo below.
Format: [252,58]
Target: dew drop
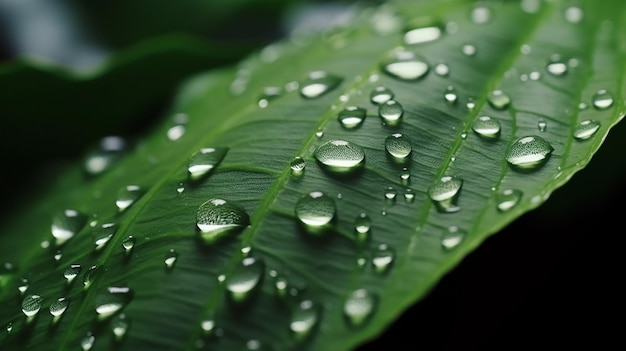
[422,35]
[390,195]
[58,255]
[31,305]
[398,146]
[359,306]
[303,319]
[9,328]
[71,272]
[391,112]
[380,95]
[103,234]
[582,106]
[176,132]
[119,326]
[445,192]
[218,218]
[24,285]
[468,50]
[111,300]
[127,196]
[529,152]
[441,69]
[90,276]
[87,342]
[470,104]
[382,258]
[556,66]
[452,237]
[534,75]
[542,125]
[129,243]
[281,286]
[245,278]
[66,224]
[362,225]
[409,195]
[351,117]
[602,99]
[405,176]
[315,210]
[297,165]
[340,156]
[449,95]
[319,133]
[499,100]
[319,83]
[170,258]
[586,129]
[58,307]
[269,93]
[105,156]
[507,199]
[202,162]
[405,65]
[207,326]
[486,127]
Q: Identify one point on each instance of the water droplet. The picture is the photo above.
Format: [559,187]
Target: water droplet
[380,95]
[352,117]
[582,106]
[113,299]
[319,133]
[405,65]
[391,112]
[480,14]
[245,278]
[422,35]
[486,127]
[405,176]
[542,125]
[105,156]
[58,307]
[398,146]
[218,218]
[409,195]
[340,156]
[529,152]
[499,100]
[207,326]
[531,6]
[586,129]
[534,75]
[31,305]
[119,326]
[359,306]
[58,255]
[470,104]
[204,161]
[176,132]
[390,194]
[66,224]
[450,95]
[24,285]
[303,319]
[319,83]
[573,14]
[129,243]
[269,94]
[362,225]
[170,258]
[468,50]
[445,192]
[9,328]
[382,258]
[127,196]
[602,99]
[315,210]
[89,277]
[103,234]
[71,272]
[507,199]
[452,237]
[87,342]
[281,286]
[253,344]
[297,166]
[441,69]
[556,66]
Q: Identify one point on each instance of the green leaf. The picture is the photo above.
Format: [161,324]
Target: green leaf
[308,273]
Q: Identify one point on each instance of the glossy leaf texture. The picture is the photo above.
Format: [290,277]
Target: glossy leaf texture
[291,203]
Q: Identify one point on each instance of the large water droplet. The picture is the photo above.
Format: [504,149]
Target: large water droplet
[529,152]
[380,95]
[103,234]
[71,272]
[351,117]
[507,199]
[586,129]
[382,258]
[66,224]
[204,161]
[445,192]
[218,218]
[304,319]
[315,210]
[113,299]
[486,127]
[359,306]
[498,100]
[602,99]
[127,196]
[119,326]
[31,305]
[319,83]
[105,156]
[340,156]
[86,343]
[391,112]
[398,146]
[58,307]
[246,276]
[405,65]
[422,35]
[452,237]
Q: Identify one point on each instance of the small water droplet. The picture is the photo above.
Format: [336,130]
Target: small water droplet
[359,306]
[556,66]
[218,218]
[58,255]
[31,305]
[105,156]
[498,100]
[405,176]
[246,276]
[102,234]
[530,6]
[86,343]
[507,199]
[445,192]
[111,300]
[170,258]
[602,99]
[409,195]
[319,133]
[441,69]
[71,272]
[58,307]
[586,129]
[207,326]
[486,127]
[573,14]
[9,328]
[297,165]
[24,285]
[89,277]
[391,112]
[382,258]
[176,132]
[452,237]
[362,225]
[398,146]
[127,196]
[129,243]
[303,319]
[390,195]
[315,210]
[253,345]
[422,35]
[542,125]
[351,117]
[319,83]
[450,95]
[470,104]
[534,75]
[66,224]
[582,106]
[119,326]
[380,95]
[405,65]
[528,152]
[269,93]
[480,14]
[281,287]
[468,50]
[340,156]
[204,161]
